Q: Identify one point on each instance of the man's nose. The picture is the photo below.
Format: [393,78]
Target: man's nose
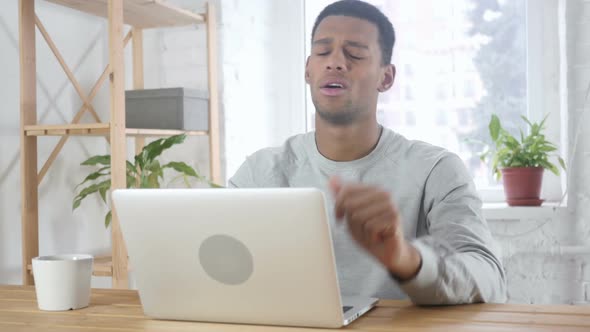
[336,61]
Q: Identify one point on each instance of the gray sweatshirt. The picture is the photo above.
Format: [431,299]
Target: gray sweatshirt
[439,207]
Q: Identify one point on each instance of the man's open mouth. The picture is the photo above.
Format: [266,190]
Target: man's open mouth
[334,86]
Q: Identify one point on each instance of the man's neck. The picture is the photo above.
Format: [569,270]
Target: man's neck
[347,143]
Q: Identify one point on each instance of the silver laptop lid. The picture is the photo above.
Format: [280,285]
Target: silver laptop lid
[261,256]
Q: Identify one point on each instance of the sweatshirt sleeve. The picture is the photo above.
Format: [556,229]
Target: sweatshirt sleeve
[459,256]
[243,177]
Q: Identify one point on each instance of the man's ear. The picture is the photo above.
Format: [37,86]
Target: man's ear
[307,70]
[387,79]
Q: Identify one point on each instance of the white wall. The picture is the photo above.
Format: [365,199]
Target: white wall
[261,98]
[263,74]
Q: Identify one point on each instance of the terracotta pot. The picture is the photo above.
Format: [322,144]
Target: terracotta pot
[522,185]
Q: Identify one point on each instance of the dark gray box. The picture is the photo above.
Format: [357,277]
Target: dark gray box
[169,108]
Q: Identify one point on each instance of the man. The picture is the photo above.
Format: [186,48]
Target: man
[406,218]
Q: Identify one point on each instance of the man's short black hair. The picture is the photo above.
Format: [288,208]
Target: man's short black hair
[365,11]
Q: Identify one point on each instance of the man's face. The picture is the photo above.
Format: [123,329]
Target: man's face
[344,69]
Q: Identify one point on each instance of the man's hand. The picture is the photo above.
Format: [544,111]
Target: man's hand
[374,223]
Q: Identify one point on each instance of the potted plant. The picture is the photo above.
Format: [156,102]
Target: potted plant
[521,163]
[145,172]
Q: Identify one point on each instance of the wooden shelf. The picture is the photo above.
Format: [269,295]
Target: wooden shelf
[138,13]
[100,129]
[102,267]
[163,132]
[97,129]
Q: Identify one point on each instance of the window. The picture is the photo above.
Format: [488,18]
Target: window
[408,70]
[468,60]
[463,117]
[441,91]
[409,95]
[468,89]
[410,119]
[441,118]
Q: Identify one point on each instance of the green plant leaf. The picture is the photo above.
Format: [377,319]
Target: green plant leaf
[89,190]
[152,181]
[510,141]
[546,148]
[547,165]
[484,155]
[131,169]
[215,185]
[94,176]
[95,187]
[107,219]
[185,180]
[182,168]
[526,120]
[156,148]
[103,193]
[139,160]
[495,127]
[561,162]
[542,124]
[76,203]
[151,148]
[154,167]
[131,181]
[144,183]
[96,160]
[497,174]
[495,163]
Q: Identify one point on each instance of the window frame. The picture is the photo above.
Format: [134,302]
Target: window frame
[543,95]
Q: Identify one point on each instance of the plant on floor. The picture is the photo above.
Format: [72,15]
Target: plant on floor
[144,172]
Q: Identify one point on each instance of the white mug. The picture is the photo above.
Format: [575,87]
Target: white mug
[62,282]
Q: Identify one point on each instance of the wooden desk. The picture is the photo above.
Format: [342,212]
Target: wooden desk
[120,310]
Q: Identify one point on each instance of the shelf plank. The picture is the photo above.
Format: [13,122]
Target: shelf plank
[138,13]
[162,132]
[101,129]
[102,267]
[80,129]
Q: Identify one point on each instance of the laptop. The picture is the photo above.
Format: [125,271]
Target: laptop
[249,256]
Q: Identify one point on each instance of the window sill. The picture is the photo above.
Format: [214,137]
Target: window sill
[501,212]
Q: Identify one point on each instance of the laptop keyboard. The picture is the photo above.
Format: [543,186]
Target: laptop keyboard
[346,308]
